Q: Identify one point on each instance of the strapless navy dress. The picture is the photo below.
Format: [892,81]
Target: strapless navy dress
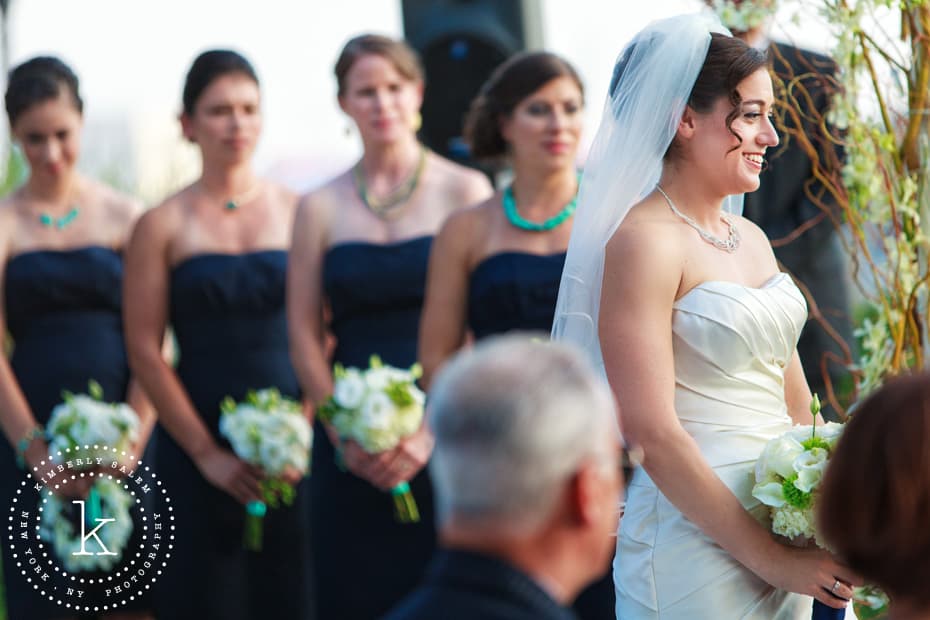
[63,311]
[228,316]
[518,291]
[365,561]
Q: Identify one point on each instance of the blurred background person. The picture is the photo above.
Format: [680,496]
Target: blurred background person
[806,242]
[496,267]
[61,265]
[211,262]
[875,512]
[361,244]
[527,477]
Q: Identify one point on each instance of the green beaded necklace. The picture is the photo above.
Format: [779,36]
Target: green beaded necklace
[510,210]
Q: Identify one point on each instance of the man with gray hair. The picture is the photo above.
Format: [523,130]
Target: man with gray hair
[527,477]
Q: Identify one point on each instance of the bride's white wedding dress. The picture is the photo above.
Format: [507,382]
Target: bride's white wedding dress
[731,345]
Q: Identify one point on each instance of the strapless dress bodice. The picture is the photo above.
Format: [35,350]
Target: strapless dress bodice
[514,291]
[731,346]
[223,304]
[42,286]
[375,292]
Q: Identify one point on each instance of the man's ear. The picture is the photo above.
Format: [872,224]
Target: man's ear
[584,496]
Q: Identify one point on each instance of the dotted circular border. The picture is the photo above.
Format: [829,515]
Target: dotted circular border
[88,580]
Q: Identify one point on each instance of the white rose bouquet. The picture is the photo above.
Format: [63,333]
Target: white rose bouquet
[88,428]
[377,408]
[270,431]
[84,431]
[788,475]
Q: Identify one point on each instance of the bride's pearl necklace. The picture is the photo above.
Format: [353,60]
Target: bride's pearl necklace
[727,245]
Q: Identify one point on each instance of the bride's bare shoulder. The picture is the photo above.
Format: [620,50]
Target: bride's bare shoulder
[647,250]
[648,228]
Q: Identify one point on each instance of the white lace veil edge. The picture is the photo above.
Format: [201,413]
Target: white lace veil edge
[651,84]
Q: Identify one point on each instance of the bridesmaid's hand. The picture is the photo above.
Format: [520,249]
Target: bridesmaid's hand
[226,471]
[814,572]
[386,470]
[36,454]
[291,476]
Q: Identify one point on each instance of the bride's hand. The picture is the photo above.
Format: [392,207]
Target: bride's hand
[813,572]
[387,469]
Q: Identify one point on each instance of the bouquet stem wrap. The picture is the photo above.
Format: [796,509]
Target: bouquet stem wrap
[825,612]
[254,529]
[405,506]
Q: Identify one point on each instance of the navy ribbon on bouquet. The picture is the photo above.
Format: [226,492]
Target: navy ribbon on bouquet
[825,612]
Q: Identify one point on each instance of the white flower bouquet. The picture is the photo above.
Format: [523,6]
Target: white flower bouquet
[788,475]
[270,431]
[377,408]
[83,430]
[86,427]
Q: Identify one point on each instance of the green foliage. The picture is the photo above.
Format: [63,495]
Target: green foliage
[880,192]
[15,173]
[276,492]
[399,393]
[795,496]
[327,410]
[95,391]
[815,442]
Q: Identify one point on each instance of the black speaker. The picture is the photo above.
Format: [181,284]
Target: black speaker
[460,42]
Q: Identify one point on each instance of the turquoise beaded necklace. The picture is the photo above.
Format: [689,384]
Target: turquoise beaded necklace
[50,221]
[510,210]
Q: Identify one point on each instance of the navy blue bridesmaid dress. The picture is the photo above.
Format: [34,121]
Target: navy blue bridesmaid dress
[228,316]
[511,291]
[366,561]
[63,311]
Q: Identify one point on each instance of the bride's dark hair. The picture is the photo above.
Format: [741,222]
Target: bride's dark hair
[729,61]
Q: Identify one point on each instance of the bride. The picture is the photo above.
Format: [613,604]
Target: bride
[695,327]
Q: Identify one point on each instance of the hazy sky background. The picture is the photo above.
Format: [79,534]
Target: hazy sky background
[131,57]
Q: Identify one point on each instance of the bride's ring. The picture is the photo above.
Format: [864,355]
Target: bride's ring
[836,584]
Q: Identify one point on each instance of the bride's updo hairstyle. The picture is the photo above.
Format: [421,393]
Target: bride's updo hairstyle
[512,81]
[729,61]
[874,506]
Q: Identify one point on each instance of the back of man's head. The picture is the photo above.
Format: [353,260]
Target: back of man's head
[513,419]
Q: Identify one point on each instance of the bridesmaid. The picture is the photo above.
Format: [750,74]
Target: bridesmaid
[496,267]
[61,269]
[360,245]
[211,261]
